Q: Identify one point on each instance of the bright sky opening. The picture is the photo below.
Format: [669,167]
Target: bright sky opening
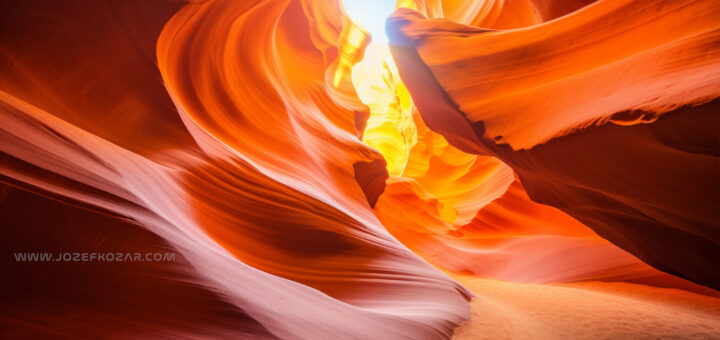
[371,14]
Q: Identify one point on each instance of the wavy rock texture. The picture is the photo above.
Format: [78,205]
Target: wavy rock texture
[280,231]
[607,114]
[316,186]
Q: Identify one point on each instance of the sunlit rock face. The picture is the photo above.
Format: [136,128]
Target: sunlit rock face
[317,182]
[599,114]
[248,169]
